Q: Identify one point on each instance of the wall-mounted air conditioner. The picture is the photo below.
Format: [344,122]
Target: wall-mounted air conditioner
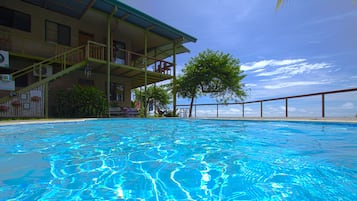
[5,77]
[4,58]
[46,71]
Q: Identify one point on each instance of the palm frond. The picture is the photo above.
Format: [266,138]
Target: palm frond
[278,4]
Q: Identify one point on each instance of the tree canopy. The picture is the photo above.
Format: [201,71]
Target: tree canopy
[211,72]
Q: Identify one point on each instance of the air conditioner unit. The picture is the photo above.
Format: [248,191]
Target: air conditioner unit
[5,77]
[46,71]
[4,58]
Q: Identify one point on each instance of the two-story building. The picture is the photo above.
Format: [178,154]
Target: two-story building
[49,45]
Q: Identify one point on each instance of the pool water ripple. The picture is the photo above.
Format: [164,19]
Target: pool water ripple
[175,159]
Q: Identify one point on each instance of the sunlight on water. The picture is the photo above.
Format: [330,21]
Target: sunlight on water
[173,159]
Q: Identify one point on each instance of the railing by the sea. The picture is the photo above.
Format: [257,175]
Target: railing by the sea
[327,104]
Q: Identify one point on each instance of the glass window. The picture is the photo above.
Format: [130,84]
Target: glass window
[58,33]
[15,19]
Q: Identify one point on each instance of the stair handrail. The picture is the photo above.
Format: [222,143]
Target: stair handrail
[52,59]
[43,81]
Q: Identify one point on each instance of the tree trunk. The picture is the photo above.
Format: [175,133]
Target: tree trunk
[191,105]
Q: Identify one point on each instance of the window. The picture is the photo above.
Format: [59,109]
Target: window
[58,33]
[15,19]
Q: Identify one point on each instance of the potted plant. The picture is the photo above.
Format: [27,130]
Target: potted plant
[16,103]
[4,108]
[35,98]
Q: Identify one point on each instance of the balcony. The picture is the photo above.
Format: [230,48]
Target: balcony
[136,66]
[132,65]
[97,52]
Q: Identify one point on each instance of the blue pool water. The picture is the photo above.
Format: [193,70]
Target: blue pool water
[173,159]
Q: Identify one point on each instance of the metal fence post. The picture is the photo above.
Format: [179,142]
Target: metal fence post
[323,105]
[195,112]
[286,108]
[243,110]
[286,98]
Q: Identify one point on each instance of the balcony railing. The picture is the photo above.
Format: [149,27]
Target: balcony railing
[97,52]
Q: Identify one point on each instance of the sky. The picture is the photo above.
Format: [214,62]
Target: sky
[305,46]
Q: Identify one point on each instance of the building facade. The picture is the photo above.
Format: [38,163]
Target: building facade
[49,45]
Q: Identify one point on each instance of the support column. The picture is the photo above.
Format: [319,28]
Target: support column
[109,18]
[146,73]
[261,109]
[243,110]
[174,90]
[46,100]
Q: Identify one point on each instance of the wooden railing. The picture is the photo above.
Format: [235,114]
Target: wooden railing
[184,107]
[139,60]
[96,51]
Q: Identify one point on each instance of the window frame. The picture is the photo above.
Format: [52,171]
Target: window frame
[59,33]
[15,19]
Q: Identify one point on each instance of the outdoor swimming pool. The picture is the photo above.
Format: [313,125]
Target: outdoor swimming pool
[176,159]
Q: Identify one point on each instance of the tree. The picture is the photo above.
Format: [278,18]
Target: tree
[157,94]
[214,73]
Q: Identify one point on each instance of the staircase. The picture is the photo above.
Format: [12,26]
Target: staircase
[32,101]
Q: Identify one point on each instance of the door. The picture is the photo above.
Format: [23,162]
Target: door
[119,52]
[84,38]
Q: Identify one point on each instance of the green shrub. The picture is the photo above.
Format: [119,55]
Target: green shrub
[171,113]
[81,101]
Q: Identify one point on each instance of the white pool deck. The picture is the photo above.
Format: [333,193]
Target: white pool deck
[37,121]
[330,120]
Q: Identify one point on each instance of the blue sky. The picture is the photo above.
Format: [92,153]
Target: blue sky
[304,47]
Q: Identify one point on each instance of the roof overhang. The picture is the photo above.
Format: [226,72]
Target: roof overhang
[78,8]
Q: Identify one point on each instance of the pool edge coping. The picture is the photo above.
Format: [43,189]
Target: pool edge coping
[322,120]
[41,121]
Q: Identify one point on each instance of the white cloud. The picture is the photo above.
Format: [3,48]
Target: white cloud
[280,77]
[295,69]
[258,70]
[293,84]
[290,109]
[283,69]
[259,65]
[333,18]
[348,106]
[250,85]
[255,65]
